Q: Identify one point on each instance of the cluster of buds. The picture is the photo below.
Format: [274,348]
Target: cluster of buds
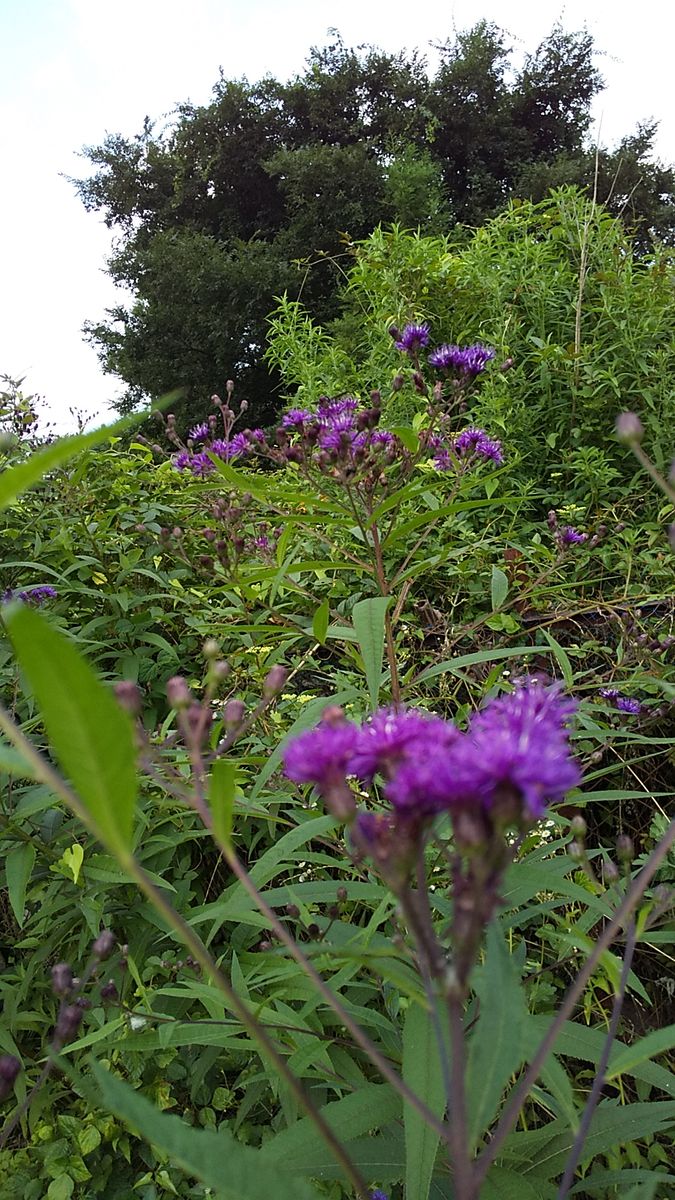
[229,538]
[212,438]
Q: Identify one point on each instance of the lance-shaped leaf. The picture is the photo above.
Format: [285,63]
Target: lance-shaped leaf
[368,620]
[91,736]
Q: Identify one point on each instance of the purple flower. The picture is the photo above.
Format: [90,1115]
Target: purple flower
[568,536]
[470,443]
[35,595]
[378,1195]
[622,703]
[413,338]
[490,448]
[392,736]
[321,756]
[182,460]
[519,743]
[337,412]
[296,418]
[466,360]
[199,433]
[201,465]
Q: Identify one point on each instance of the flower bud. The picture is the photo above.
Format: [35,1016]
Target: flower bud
[229,387]
[397,383]
[578,827]
[342,894]
[9,1069]
[104,945]
[128,696]
[178,693]
[625,850]
[293,911]
[109,991]
[68,1023]
[610,871]
[629,427]
[274,681]
[211,648]
[576,851]
[62,979]
[234,713]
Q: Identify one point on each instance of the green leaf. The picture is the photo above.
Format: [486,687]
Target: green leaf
[562,658]
[13,763]
[496,1049]
[361,1112]
[422,1072]
[452,665]
[502,1184]
[659,1041]
[407,436]
[18,868]
[499,588]
[222,790]
[320,622]
[91,734]
[368,620]
[16,479]
[600,1181]
[235,1172]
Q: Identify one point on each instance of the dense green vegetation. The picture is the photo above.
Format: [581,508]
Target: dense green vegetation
[266,189]
[273,569]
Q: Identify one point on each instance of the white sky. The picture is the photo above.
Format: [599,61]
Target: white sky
[72,70]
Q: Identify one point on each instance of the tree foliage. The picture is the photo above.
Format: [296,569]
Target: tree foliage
[266,188]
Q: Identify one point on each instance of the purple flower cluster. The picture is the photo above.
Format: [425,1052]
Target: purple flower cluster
[35,595]
[467,361]
[471,444]
[514,757]
[622,703]
[201,464]
[340,432]
[568,536]
[413,339]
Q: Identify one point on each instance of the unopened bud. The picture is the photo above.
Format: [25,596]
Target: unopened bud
[629,427]
[625,850]
[229,387]
[275,681]
[104,945]
[68,1023]
[62,979]
[576,851]
[610,871]
[342,894]
[211,648]
[333,715]
[578,827]
[395,333]
[9,1069]
[313,930]
[397,383]
[128,696]
[178,693]
[234,713]
[293,911]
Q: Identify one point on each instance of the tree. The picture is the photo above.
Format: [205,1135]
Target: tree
[266,189]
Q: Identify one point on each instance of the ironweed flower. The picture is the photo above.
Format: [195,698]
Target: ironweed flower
[623,703]
[413,338]
[470,445]
[512,761]
[568,536]
[517,752]
[35,595]
[465,360]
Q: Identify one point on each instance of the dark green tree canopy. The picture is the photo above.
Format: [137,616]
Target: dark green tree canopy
[265,189]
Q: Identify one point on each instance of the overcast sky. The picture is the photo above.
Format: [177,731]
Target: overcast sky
[73,70]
